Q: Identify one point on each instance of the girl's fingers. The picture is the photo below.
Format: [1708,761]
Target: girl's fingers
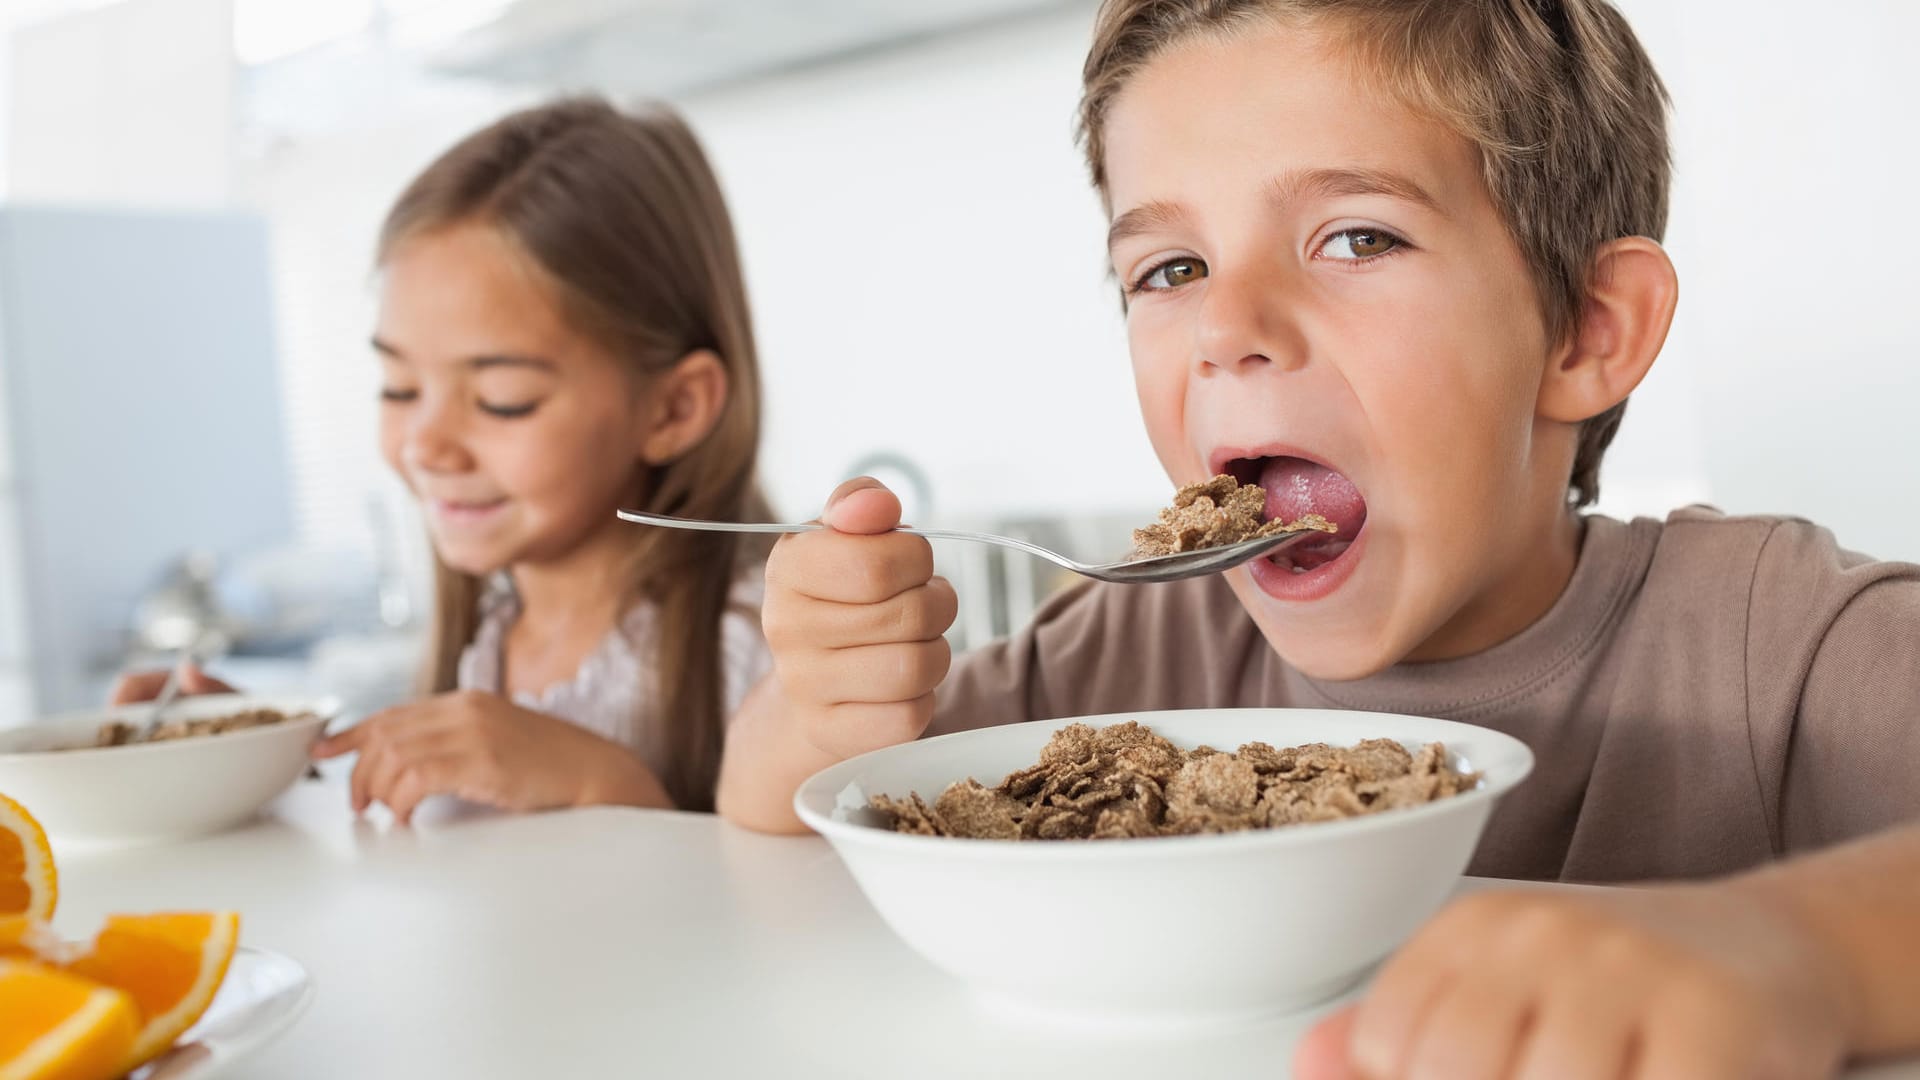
[395,725]
[360,786]
[137,686]
[195,681]
[416,781]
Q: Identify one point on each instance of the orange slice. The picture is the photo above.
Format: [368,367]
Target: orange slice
[22,938]
[60,1027]
[28,885]
[169,964]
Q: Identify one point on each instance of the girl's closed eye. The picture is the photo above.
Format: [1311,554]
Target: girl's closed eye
[1360,244]
[398,395]
[509,412]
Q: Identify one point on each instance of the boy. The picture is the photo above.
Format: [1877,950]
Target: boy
[1397,262]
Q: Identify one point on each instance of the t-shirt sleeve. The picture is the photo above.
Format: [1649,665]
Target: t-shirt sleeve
[1853,759]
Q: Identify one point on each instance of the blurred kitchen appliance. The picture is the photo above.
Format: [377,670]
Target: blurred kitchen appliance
[140,419]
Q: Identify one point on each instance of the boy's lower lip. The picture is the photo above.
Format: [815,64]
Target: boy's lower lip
[1282,583]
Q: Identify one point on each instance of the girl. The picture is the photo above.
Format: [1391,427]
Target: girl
[563,331]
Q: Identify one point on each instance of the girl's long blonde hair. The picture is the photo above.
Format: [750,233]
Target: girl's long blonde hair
[622,216]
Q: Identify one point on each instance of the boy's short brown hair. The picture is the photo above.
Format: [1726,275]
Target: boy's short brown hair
[1564,104]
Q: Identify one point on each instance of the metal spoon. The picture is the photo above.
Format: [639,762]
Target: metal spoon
[1184,564]
[169,691]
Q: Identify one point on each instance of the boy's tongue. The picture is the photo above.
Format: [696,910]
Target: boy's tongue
[1297,487]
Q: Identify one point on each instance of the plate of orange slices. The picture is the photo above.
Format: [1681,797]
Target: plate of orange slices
[163,996]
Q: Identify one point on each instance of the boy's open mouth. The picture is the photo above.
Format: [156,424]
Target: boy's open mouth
[1297,487]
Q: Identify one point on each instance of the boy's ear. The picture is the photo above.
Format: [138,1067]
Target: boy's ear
[1620,330]
[683,405]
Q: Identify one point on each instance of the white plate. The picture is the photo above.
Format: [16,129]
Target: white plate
[264,993]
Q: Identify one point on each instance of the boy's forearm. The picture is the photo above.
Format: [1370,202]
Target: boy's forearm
[1861,901]
[766,760]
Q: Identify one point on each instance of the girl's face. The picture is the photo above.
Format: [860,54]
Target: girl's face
[519,435]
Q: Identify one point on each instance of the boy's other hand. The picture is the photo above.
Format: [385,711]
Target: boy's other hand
[854,617]
[138,686]
[1698,982]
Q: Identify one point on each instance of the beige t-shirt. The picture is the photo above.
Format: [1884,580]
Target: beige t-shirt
[1710,692]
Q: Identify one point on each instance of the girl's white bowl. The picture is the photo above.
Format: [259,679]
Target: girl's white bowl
[149,792]
[1170,929]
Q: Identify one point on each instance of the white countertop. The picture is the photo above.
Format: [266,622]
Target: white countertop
[604,942]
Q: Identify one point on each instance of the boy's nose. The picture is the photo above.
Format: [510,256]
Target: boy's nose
[1242,326]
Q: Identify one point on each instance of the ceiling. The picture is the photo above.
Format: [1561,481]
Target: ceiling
[669,47]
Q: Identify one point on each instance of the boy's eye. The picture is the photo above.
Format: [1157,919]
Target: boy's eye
[397,395]
[1351,245]
[1172,274]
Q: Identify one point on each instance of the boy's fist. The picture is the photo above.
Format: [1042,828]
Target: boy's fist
[854,616]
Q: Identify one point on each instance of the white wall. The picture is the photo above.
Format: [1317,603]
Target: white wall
[1792,228]
[127,105]
[928,269]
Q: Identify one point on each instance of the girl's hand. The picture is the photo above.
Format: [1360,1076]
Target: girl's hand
[138,686]
[485,749]
[1696,982]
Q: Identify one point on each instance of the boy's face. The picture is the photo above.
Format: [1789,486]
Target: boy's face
[1323,299]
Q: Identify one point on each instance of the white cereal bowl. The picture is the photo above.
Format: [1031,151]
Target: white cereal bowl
[153,792]
[1164,930]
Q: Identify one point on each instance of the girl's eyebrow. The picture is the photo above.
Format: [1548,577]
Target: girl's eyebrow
[479,363]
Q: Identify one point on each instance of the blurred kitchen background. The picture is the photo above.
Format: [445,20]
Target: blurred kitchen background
[189,191]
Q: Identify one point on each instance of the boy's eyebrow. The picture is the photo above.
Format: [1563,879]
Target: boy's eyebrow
[1143,218]
[1282,190]
[1288,187]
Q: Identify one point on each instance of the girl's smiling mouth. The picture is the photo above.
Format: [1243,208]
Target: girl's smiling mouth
[465,512]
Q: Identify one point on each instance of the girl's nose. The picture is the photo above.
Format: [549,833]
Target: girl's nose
[434,438]
[1243,326]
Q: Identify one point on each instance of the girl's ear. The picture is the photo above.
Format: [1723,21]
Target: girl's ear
[682,406]
[1620,330]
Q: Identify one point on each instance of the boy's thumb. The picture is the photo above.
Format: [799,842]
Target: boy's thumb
[862,505]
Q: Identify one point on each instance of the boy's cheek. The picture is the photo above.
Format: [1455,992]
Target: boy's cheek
[1161,389]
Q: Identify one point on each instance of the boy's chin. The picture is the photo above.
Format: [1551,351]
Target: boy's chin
[1312,647]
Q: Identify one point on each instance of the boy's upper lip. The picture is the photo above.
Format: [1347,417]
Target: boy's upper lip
[1217,460]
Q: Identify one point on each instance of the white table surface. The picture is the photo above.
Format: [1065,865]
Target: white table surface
[605,942]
